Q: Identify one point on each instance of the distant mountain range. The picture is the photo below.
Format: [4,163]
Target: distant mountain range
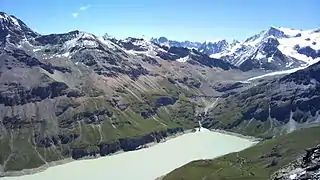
[272,49]
[207,47]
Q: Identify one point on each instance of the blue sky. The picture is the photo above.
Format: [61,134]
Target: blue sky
[176,19]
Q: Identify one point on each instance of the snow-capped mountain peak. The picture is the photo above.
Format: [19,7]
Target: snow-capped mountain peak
[276,32]
[107,36]
[13,30]
[9,22]
[275,48]
[163,41]
[69,44]
[140,46]
[138,42]
[206,47]
[214,41]
[4,18]
[214,46]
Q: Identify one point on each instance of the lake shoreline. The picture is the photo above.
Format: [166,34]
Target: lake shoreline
[68,160]
[148,145]
[251,138]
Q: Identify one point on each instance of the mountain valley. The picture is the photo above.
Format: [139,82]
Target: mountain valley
[77,95]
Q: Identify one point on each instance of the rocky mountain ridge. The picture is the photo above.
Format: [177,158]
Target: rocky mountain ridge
[273,49]
[207,47]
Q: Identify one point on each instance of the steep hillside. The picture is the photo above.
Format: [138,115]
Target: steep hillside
[78,95]
[271,107]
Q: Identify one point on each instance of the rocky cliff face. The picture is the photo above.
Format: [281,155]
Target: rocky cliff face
[305,167]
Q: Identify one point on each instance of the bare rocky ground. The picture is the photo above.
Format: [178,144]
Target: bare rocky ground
[305,167]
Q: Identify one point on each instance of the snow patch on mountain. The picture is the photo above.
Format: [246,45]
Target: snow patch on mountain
[142,46]
[277,73]
[105,40]
[82,40]
[300,39]
[289,42]
[206,47]
[183,60]
[7,19]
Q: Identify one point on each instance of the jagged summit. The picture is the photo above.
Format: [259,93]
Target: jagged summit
[11,22]
[206,47]
[13,29]
[214,41]
[107,36]
[275,48]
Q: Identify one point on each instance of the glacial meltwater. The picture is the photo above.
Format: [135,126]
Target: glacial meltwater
[147,163]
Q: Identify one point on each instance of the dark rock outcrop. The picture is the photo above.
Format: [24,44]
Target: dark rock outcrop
[165,101]
[180,51]
[223,87]
[308,51]
[54,39]
[89,117]
[305,167]
[30,61]
[57,140]
[125,144]
[168,56]
[190,82]
[16,94]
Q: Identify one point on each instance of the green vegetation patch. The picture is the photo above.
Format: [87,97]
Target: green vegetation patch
[257,163]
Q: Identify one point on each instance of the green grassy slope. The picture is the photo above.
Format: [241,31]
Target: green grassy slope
[95,121]
[257,162]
